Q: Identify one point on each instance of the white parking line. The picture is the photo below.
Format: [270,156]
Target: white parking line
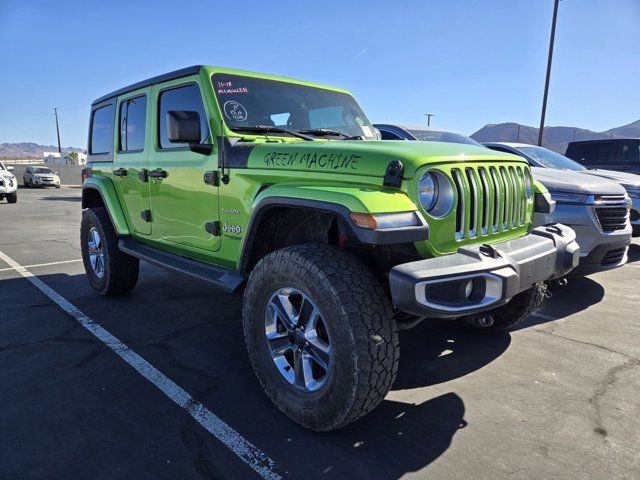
[42,264]
[246,451]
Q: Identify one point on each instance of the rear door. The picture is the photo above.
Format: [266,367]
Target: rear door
[132,159]
[184,209]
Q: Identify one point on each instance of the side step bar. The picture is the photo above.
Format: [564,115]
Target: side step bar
[227,280]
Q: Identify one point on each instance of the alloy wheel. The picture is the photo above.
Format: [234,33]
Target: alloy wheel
[96,252]
[298,339]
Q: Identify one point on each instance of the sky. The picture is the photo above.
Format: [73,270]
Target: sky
[468,62]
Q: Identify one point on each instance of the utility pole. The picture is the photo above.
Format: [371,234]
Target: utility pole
[518,137]
[429,115]
[55,110]
[574,134]
[549,59]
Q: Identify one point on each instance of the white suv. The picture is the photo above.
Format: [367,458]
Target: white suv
[8,184]
[40,177]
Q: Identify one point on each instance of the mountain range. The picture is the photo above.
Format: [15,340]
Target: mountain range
[30,150]
[555,138]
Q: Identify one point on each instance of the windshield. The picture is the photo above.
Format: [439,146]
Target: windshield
[248,102]
[42,170]
[549,159]
[440,136]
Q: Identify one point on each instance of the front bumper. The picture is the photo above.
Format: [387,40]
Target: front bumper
[485,276]
[597,247]
[7,186]
[46,183]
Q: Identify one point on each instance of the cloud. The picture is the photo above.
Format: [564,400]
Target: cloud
[364,50]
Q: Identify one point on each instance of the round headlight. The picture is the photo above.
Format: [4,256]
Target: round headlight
[428,191]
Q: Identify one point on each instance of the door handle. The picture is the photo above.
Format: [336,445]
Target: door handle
[158,173]
[120,172]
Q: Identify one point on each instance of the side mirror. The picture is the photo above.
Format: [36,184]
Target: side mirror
[183,126]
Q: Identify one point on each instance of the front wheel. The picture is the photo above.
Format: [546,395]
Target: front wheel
[109,270]
[320,334]
[502,318]
[12,197]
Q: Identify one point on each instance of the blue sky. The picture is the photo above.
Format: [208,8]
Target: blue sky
[469,62]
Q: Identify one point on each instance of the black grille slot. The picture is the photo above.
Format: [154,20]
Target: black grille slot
[613,256]
[473,202]
[612,218]
[457,180]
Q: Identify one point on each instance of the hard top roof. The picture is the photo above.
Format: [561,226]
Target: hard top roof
[195,69]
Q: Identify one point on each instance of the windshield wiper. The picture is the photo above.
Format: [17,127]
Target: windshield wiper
[269,128]
[326,131]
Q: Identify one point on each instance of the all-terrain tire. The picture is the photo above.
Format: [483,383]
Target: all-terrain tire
[519,307]
[12,197]
[363,334]
[120,270]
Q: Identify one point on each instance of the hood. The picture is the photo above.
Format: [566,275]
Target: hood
[359,157]
[628,179]
[576,182]
[6,174]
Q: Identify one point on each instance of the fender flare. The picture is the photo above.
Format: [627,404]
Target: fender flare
[107,192]
[265,202]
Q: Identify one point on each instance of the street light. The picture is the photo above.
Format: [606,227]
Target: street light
[549,59]
[429,115]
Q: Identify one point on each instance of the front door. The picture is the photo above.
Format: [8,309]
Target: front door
[184,208]
[131,160]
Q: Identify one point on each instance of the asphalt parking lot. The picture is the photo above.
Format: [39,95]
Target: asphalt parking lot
[555,398]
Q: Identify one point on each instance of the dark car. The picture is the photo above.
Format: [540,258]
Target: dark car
[621,154]
[422,134]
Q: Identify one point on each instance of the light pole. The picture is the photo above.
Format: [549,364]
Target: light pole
[55,110]
[549,59]
[429,115]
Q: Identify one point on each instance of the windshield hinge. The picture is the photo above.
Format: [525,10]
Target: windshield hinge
[393,175]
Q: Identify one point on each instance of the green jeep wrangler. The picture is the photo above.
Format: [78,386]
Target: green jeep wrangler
[282,188]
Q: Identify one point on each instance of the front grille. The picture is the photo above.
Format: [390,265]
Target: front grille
[613,256]
[612,218]
[489,199]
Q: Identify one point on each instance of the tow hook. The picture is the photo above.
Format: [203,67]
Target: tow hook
[563,282]
[483,320]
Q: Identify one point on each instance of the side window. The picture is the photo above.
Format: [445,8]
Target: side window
[603,154]
[631,152]
[181,98]
[588,153]
[387,135]
[133,116]
[101,141]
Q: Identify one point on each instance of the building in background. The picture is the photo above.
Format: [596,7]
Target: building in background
[71,158]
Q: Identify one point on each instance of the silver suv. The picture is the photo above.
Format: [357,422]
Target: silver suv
[36,176]
[596,208]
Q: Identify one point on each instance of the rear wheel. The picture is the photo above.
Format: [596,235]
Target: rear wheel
[320,334]
[12,197]
[502,318]
[109,270]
